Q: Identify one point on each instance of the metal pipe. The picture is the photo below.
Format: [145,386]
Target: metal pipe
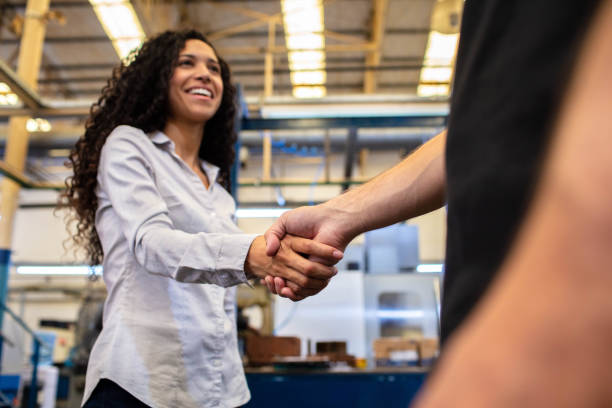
[34,382]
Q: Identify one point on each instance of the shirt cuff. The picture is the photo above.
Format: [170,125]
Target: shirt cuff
[232,256]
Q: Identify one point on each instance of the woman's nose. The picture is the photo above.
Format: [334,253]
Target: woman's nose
[203,74]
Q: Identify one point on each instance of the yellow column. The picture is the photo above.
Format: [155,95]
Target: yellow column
[30,55]
[269,60]
[373,57]
[267,156]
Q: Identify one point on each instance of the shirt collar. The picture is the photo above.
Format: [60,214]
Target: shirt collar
[212,171]
[159,138]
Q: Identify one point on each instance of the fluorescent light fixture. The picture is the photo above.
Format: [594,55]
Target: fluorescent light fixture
[309,91]
[433,90]
[438,64]
[306,60]
[441,47]
[59,270]
[430,268]
[303,24]
[305,41]
[120,23]
[399,314]
[260,212]
[308,77]
[38,125]
[302,16]
[431,74]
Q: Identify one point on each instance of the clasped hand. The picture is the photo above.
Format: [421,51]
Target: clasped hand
[293,263]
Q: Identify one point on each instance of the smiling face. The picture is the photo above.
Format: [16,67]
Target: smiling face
[196,86]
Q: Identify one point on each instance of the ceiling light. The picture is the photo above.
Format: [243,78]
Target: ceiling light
[12,99]
[441,47]
[433,90]
[38,125]
[120,23]
[305,41]
[438,64]
[7,97]
[303,24]
[309,91]
[65,270]
[306,60]
[308,77]
[434,74]
[430,268]
[399,314]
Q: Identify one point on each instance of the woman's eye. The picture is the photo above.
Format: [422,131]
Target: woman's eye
[185,62]
[215,68]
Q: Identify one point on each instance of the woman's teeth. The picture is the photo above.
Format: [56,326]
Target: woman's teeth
[201,91]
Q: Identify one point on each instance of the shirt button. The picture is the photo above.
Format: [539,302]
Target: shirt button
[217,363]
[212,214]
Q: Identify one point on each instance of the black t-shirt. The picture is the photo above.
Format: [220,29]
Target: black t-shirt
[513,62]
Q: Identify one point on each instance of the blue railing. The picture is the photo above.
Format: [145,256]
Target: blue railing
[38,343]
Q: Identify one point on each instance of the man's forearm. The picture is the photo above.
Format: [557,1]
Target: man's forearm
[411,188]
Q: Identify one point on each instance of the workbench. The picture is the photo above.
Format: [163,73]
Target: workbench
[387,387]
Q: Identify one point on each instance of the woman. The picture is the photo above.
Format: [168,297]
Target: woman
[149,192]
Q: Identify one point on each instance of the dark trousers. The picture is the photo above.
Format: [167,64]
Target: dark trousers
[108,394]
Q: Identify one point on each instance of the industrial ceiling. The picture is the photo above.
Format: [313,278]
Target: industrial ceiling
[78,55]
[374,52]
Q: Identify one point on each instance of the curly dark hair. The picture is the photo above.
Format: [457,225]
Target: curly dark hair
[137,95]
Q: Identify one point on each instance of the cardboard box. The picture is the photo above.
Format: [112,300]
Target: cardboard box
[396,352]
[429,350]
[262,350]
[405,352]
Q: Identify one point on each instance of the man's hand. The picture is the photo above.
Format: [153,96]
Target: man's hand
[409,189]
[322,223]
[307,277]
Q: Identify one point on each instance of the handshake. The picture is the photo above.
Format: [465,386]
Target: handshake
[296,256]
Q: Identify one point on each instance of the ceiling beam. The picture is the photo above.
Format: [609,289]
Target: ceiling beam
[269,59]
[228,32]
[356,86]
[256,15]
[27,95]
[241,73]
[78,39]
[238,62]
[346,35]
[373,57]
[279,49]
[47,112]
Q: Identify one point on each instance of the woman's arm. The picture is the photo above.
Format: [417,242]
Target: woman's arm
[127,186]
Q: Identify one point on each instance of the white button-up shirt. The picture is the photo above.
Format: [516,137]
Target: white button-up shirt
[172,254]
